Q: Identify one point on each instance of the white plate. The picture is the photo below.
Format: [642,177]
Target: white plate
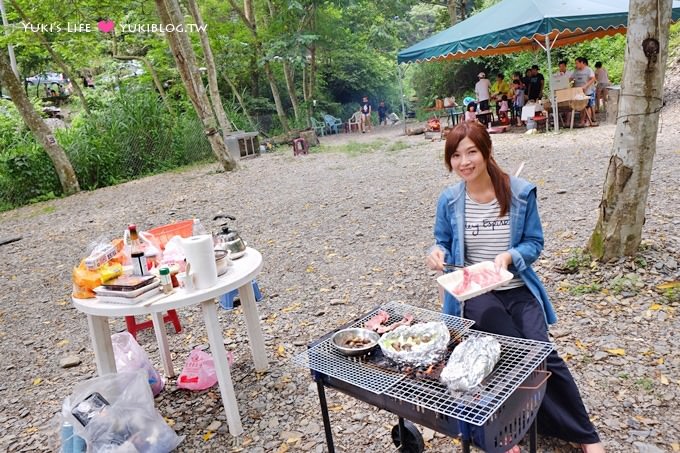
[451,280]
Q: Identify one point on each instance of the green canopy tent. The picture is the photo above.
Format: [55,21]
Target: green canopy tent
[516,25]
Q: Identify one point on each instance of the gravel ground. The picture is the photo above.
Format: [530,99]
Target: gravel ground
[341,231]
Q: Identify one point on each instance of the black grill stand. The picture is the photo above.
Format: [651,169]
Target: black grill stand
[409,440]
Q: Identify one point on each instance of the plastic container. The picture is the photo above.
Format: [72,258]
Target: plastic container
[164,233]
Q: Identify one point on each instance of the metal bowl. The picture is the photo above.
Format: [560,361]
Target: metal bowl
[341,337]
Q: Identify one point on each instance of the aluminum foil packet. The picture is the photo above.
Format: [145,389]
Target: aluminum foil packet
[417,345]
[470,363]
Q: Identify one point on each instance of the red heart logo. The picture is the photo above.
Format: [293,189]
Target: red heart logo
[105,26]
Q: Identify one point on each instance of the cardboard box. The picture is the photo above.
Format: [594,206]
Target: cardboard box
[569,94]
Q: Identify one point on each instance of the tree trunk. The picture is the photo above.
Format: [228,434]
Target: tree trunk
[215,97]
[57,59]
[277,97]
[183,52]
[239,98]
[622,210]
[452,6]
[62,165]
[290,84]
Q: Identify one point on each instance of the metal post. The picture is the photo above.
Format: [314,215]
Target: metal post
[324,414]
[10,48]
[400,74]
[533,436]
[553,101]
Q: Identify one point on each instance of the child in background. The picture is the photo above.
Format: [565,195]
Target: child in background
[503,110]
[471,112]
[518,101]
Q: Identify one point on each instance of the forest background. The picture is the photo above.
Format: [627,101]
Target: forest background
[313,57]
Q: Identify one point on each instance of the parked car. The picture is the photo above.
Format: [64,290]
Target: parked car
[45,78]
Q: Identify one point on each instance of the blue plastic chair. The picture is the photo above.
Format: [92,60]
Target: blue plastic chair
[318,127]
[332,123]
[227,300]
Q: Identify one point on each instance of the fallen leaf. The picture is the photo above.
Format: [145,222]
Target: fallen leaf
[37,381]
[169,421]
[617,351]
[309,269]
[292,307]
[63,342]
[62,302]
[30,430]
[675,446]
[281,351]
[656,307]
[283,448]
[664,380]
[207,436]
[660,361]
[579,345]
[293,440]
[669,285]
[336,408]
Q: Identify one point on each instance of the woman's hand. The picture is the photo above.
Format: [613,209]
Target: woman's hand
[435,260]
[502,261]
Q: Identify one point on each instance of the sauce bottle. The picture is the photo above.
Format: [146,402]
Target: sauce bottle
[139,264]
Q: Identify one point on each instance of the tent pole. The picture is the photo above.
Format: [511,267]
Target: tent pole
[556,119]
[400,74]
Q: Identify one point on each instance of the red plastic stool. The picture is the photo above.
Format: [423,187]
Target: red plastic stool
[133,326]
[300,146]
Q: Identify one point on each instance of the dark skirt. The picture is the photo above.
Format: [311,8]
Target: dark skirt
[516,313]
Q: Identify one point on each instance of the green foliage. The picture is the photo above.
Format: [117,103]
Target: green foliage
[130,134]
[577,260]
[579,290]
[26,173]
[629,283]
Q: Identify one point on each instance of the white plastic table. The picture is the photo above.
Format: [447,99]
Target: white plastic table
[239,276]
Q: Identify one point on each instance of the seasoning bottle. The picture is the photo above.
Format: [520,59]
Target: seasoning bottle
[166,281]
[139,265]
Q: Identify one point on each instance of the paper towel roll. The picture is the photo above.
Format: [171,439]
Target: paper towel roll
[200,254]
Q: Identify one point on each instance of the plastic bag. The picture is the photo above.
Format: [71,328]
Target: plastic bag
[174,253]
[115,413]
[198,372]
[131,357]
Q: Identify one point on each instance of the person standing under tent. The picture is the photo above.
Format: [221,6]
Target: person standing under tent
[584,77]
[535,84]
[482,92]
[602,77]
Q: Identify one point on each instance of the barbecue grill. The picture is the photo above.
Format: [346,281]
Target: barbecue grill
[495,416]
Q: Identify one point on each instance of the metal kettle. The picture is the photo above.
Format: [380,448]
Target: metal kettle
[228,239]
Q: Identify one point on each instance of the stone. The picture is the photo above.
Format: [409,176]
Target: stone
[214,426]
[647,448]
[285,435]
[69,361]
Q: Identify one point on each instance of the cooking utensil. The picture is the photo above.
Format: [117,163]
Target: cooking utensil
[229,239]
[222,261]
[341,338]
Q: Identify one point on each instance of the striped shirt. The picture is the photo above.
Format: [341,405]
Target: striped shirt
[486,234]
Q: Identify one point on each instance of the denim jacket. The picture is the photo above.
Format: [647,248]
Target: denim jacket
[526,238]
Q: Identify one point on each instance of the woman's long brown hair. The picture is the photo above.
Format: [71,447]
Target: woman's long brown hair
[480,137]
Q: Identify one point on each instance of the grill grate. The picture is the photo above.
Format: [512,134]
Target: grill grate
[519,358]
[324,358]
